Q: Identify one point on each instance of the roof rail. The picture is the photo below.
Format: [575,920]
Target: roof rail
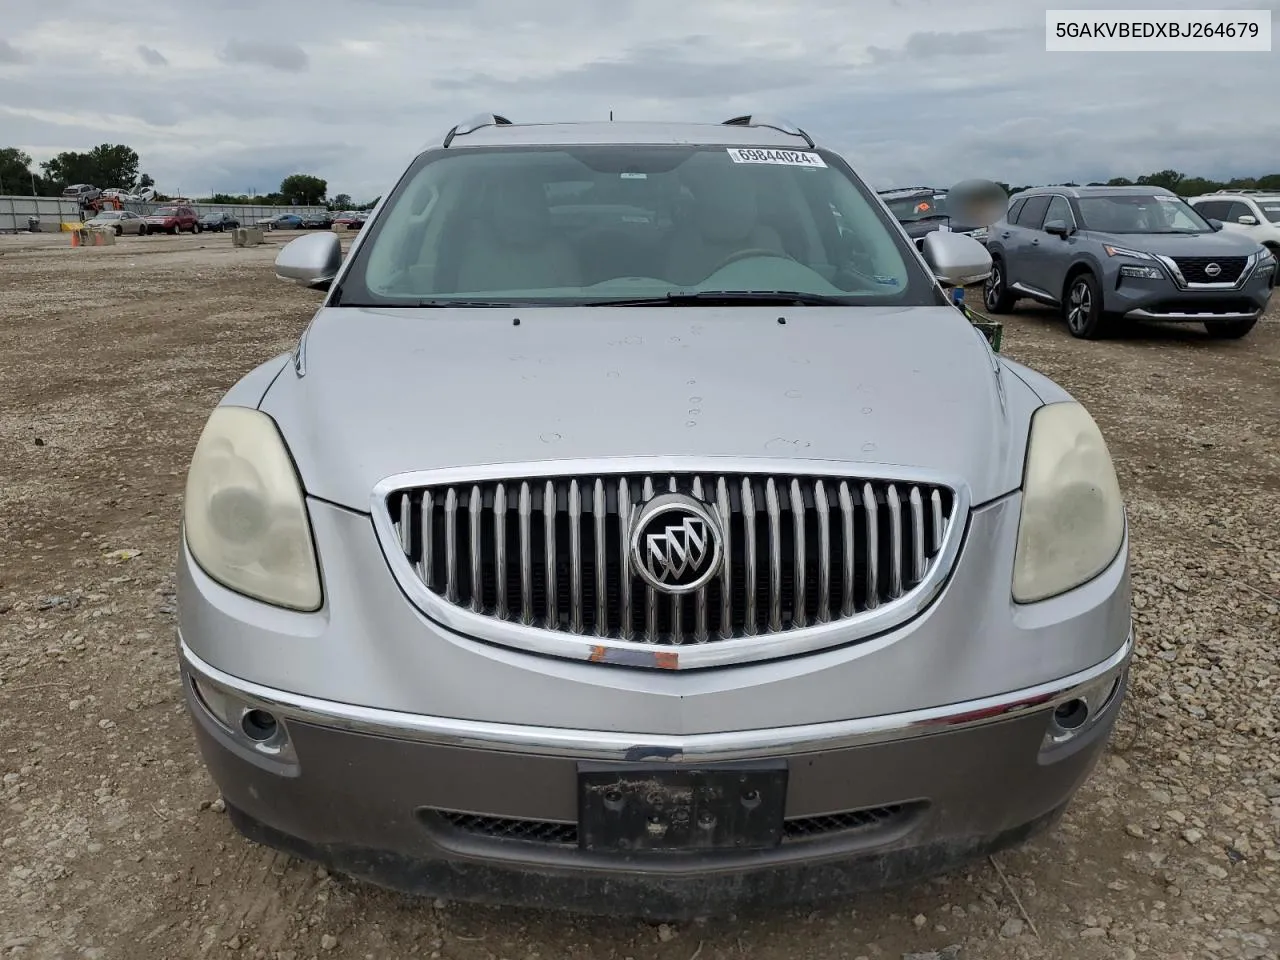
[912,190]
[474,124]
[1248,190]
[774,123]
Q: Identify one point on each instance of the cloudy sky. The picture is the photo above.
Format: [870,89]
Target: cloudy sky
[231,95]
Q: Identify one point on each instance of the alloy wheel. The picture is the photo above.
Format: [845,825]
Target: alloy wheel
[995,284]
[1079,306]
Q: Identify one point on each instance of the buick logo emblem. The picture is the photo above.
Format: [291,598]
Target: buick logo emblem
[676,543]
[1212,270]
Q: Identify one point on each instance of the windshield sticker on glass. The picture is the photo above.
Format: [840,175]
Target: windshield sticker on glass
[887,281]
[790,158]
[634,176]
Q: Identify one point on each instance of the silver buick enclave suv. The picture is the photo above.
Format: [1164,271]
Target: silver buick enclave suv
[638,527]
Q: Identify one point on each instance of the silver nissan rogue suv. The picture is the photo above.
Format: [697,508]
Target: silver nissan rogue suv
[638,527]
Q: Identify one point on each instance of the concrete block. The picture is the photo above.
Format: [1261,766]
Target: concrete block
[246,236]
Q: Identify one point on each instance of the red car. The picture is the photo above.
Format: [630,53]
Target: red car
[172,219]
[346,218]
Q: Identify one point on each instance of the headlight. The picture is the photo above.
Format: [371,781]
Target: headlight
[246,524]
[1140,271]
[1072,521]
[1126,252]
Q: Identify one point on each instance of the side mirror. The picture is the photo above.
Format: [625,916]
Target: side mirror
[1058,228]
[312,261]
[1215,224]
[956,260]
[1248,220]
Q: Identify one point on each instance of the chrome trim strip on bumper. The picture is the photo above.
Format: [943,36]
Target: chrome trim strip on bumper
[740,650]
[1139,313]
[613,745]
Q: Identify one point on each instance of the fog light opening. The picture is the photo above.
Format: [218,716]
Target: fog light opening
[258,725]
[1071,715]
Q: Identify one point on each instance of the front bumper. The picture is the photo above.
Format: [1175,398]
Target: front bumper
[1165,300]
[488,812]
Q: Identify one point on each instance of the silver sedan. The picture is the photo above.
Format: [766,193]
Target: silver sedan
[118,221]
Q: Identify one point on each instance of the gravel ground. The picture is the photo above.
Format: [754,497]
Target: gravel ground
[113,842]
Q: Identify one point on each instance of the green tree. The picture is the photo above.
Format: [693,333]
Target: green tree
[106,165]
[1119,182]
[303,189]
[1169,179]
[15,171]
[145,181]
[341,202]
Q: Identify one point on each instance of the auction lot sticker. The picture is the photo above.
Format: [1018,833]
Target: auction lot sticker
[790,158]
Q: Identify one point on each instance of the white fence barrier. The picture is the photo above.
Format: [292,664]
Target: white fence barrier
[16,212]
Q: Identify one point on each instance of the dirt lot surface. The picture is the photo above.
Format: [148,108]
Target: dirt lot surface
[112,840]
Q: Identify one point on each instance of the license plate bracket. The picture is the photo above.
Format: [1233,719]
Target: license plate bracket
[630,808]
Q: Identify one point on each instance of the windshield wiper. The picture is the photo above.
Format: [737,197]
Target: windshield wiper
[729,298]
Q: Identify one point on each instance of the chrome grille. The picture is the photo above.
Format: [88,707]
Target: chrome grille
[552,553]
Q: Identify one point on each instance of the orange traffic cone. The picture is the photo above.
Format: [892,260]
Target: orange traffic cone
[75,238]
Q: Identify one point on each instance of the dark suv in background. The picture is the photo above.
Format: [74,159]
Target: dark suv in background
[1136,253]
[922,210]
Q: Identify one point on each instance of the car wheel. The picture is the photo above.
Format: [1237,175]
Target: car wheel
[995,292]
[1230,329]
[1083,307]
[119,231]
[173,231]
[196,228]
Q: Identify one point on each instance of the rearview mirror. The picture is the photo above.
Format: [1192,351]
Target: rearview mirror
[956,260]
[1058,228]
[312,261]
[1248,220]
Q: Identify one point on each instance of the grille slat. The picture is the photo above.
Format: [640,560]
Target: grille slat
[752,559]
[799,616]
[774,511]
[575,557]
[552,618]
[500,547]
[474,512]
[525,510]
[624,559]
[798,551]
[850,564]
[426,528]
[873,545]
[599,519]
[895,542]
[725,511]
[451,545]
[824,551]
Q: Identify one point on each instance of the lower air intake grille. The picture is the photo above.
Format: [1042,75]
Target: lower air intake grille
[566,834]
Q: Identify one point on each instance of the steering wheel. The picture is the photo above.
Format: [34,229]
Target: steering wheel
[750,252]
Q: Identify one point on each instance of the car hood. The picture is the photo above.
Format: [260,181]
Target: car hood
[1221,244]
[398,390]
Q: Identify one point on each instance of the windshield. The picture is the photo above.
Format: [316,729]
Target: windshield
[1270,209]
[918,207]
[166,212]
[589,224]
[108,215]
[1141,214]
